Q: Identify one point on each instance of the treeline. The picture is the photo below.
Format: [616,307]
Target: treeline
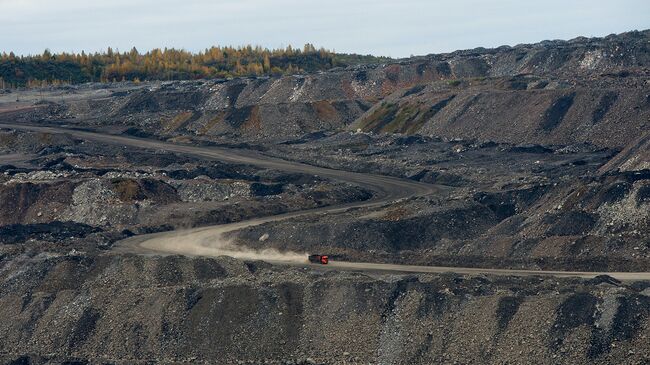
[167,64]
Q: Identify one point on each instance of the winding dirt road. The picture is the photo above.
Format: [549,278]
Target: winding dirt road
[209,241]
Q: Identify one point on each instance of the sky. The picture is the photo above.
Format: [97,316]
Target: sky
[396,28]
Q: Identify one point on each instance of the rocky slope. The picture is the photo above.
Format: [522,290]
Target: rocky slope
[523,109]
[542,151]
[509,206]
[524,133]
[553,92]
[114,188]
[227,311]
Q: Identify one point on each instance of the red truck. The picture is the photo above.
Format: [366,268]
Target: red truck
[319,259]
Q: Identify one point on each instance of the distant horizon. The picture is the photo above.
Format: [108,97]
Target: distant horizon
[117,50]
[375,27]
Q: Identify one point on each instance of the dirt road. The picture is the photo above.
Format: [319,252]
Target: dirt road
[209,241]
[203,242]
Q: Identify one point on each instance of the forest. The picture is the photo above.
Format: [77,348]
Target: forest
[168,64]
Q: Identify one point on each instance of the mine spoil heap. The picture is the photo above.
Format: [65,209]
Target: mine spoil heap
[532,157]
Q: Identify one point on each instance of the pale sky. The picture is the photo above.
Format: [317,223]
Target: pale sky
[396,28]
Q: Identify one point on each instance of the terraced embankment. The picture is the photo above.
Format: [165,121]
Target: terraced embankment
[209,241]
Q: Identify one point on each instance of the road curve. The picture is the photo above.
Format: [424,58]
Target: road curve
[208,241]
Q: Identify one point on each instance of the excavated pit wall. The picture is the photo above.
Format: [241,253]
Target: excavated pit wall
[553,92]
[130,309]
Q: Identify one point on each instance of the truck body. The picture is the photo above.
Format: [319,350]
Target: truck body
[319,259]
